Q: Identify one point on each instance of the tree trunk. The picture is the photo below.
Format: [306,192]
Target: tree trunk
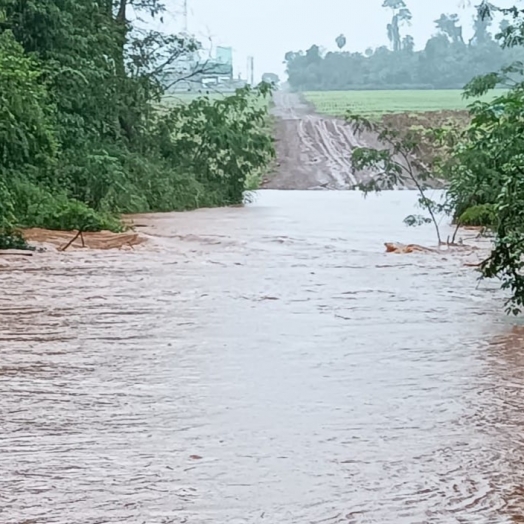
[121,14]
[121,24]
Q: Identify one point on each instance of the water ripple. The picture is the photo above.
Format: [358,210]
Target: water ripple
[260,365]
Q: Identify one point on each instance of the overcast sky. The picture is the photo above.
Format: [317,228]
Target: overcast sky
[267,29]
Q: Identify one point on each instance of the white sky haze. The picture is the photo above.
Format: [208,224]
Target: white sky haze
[267,29]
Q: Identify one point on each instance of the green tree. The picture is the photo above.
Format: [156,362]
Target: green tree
[401,15]
[487,166]
[445,62]
[408,44]
[481,25]
[28,145]
[81,135]
[448,24]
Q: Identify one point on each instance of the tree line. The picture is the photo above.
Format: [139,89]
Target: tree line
[447,61]
[82,138]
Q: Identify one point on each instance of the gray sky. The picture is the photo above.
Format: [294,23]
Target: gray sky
[267,29]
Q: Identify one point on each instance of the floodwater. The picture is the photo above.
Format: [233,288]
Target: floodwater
[267,364]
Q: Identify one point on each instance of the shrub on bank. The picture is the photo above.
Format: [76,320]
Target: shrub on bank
[81,138]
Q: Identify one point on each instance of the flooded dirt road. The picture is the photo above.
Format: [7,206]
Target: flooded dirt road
[314,150]
[266,364]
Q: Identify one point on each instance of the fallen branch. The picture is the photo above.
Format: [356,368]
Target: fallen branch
[79,234]
[17,252]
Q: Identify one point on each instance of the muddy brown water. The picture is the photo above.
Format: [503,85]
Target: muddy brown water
[266,364]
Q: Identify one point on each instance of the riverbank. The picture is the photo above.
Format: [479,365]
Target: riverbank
[139,232]
[63,240]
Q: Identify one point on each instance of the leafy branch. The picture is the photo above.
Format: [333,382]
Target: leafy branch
[393,166]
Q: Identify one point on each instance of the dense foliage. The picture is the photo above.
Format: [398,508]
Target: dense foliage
[487,167]
[81,139]
[445,62]
[484,164]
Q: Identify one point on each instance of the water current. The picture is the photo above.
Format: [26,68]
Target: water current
[266,364]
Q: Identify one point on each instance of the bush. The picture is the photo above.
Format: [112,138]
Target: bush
[37,207]
[13,240]
[81,138]
[70,214]
[482,216]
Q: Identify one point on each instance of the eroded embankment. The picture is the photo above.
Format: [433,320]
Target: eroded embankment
[314,151]
[62,240]
[42,241]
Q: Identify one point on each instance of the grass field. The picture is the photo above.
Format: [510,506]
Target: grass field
[173,99]
[186,98]
[375,103]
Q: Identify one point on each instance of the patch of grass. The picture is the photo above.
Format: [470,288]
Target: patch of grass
[174,99]
[377,103]
[74,215]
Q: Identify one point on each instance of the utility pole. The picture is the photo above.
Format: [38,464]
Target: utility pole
[186,16]
[250,70]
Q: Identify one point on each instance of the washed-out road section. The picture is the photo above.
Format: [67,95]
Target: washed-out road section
[314,151]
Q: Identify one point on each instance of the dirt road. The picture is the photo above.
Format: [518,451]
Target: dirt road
[314,151]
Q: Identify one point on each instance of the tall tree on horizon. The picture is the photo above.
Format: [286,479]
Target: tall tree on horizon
[401,15]
[449,25]
[482,21]
[341,41]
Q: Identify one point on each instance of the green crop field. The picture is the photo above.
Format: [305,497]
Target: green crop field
[375,103]
[173,99]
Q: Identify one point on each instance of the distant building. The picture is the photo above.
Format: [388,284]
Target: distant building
[220,67]
[214,72]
